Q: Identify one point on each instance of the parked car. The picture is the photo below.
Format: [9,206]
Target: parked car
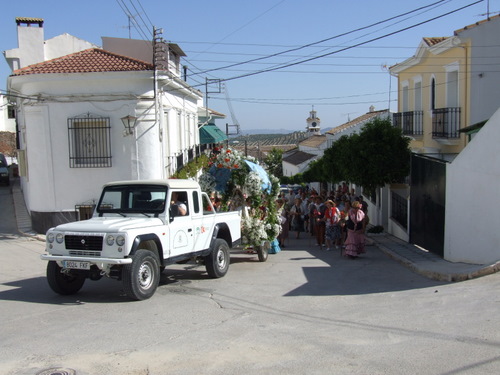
[4,170]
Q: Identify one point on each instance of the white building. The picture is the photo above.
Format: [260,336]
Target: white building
[7,115]
[475,172]
[296,161]
[355,125]
[71,112]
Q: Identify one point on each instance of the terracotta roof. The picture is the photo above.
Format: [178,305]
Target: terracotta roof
[430,41]
[357,120]
[476,24]
[298,157]
[87,61]
[29,20]
[314,140]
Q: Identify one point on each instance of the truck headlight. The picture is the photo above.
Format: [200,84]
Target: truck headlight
[59,238]
[110,240]
[120,240]
[50,237]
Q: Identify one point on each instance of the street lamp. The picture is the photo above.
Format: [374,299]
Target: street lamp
[129,123]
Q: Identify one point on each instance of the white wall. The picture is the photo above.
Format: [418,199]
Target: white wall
[51,185]
[6,124]
[485,77]
[289,170]
[30,48]
[472,232]
[65,44]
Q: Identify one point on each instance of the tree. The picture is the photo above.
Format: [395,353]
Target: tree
[315,172]
[274,162]
[381,155]
[336,163]
[378,155]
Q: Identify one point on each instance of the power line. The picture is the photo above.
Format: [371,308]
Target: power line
[241,27]
[128,13]
[321,41]
[349,47]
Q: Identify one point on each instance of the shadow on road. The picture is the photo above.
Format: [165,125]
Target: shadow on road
[373,272]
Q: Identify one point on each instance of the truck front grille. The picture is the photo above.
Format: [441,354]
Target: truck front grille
[86,243]
[81,253]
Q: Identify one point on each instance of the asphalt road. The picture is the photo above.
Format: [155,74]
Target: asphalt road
[302,312]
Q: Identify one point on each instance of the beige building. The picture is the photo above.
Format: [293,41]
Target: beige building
[448,85]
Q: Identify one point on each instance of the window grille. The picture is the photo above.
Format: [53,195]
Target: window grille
[89,141]
[11,111]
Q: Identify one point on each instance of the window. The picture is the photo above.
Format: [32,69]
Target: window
[405,106]
[433,94]
[133,198]
[418,96]
[452,89]
[89,142]
[11,111]
[196,202]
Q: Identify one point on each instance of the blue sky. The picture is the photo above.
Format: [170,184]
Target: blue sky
[266,34]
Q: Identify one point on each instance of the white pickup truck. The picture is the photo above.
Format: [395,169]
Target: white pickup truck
[136,230]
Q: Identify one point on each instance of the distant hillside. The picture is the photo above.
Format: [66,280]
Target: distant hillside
[270,139]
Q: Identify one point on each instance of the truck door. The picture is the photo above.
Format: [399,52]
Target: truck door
[181,238]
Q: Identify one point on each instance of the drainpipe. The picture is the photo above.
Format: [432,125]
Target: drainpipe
[466,95]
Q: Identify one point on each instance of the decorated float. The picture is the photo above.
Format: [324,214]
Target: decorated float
[239,182]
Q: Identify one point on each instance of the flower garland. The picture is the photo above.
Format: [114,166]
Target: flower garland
[228,172]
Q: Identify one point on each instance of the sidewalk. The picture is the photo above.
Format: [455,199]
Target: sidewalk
[410,256]
[23,218]
[429,264]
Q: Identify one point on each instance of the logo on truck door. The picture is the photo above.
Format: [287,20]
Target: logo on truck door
[180,239]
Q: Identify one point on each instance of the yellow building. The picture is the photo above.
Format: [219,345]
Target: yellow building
[433,95]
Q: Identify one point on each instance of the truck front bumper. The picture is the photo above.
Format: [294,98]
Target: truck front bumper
[94,260]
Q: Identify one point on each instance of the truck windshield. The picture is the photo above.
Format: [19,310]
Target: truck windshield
[124,199]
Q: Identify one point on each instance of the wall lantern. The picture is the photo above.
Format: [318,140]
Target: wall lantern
[129,123]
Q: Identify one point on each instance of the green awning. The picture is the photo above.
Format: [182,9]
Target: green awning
[210,133]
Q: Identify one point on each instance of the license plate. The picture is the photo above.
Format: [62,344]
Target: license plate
[76,265]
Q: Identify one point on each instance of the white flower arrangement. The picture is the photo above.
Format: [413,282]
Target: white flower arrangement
[228,158]
[262,222]
[207,183]
[253,186]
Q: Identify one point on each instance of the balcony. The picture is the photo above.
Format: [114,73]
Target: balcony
[410,123]
[446,125]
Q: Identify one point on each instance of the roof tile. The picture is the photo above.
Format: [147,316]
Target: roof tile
[87,61]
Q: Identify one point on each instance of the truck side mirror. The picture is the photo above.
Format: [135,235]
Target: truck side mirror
[173,212]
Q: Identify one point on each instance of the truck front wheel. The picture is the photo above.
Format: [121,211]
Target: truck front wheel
[141,277]
[63,283]
[217,262]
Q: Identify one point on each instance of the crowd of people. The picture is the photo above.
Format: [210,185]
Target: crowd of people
[335,219]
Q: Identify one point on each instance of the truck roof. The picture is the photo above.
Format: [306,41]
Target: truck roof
[172,183]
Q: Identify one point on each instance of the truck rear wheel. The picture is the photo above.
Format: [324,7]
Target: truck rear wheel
[217,262]
[63,283]
[142,276]
[262,252]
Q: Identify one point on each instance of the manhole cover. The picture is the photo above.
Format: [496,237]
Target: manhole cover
[57,371]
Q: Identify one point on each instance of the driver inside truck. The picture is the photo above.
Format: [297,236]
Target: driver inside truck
[181,207]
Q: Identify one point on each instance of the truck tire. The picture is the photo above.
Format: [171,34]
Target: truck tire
[141,277]
[63,283]
[262,253]
[217,262]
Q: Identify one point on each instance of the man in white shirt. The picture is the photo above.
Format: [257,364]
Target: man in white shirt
[182,209]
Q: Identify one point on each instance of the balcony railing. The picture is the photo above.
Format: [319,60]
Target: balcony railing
[446,122]
[411,122]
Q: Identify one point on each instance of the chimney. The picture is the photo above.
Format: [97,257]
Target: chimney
[30,41]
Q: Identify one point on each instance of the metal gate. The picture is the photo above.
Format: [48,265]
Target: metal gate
[427,203]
